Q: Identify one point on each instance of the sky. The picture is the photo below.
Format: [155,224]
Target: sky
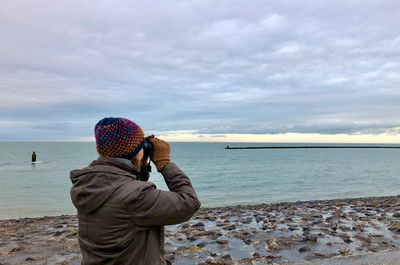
[201,70]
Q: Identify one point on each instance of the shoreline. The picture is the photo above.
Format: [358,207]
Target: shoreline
[221,206]
[281,233]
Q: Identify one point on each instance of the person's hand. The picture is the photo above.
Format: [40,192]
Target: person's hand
[160,155]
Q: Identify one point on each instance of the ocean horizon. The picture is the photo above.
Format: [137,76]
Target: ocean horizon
[221,177]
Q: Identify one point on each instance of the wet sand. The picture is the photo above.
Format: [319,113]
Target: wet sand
[341,231]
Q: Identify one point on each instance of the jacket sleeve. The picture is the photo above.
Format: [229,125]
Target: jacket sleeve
[158,208]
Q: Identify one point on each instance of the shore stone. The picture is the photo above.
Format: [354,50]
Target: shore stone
[344,252]
[272,256]
[202,244]
[347,240]
[394,227]
[217,261]
[222,241]
[311,237]
[259,219]
[58,233]
[227,257]
[185,225]
[273,245]
[192,249]
[18,248]
[304,248]
[229,227]
[374,235]
[244,261]
[214,233]
[199,224]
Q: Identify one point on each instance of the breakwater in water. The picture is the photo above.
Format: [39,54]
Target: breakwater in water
[314,147]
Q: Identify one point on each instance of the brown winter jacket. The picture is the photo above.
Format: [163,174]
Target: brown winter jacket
[121,219]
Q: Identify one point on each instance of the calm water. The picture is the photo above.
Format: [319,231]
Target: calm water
[221,177]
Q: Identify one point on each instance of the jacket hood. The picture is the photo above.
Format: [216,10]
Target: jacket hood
[93,185]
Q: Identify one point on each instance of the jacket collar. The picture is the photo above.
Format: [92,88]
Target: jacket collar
[121,163]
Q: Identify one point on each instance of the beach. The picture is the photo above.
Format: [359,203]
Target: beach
[304,232]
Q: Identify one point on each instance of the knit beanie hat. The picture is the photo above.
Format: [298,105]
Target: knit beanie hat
[118,137]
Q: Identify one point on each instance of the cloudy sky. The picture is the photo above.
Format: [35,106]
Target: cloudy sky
[201,69]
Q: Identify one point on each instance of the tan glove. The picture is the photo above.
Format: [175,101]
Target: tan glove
[160,156]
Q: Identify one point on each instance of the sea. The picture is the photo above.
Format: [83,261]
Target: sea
[221,177]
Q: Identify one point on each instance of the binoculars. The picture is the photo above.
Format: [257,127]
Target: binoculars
[147,148]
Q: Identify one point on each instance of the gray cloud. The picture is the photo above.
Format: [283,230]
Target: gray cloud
[226,67]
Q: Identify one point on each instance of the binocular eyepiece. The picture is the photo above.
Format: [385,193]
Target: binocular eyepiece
[148,148]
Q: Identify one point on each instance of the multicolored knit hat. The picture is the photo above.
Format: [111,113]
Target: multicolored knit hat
[118,137]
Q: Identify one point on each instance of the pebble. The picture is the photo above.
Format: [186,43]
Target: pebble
[311,237]
[259,219]
[58,233]
[18,248]
[229,227]
[199,224]
[374,235]
[248,241]
[347,240]
[222,241]
[394,227]
[217,261]
[273,245]
[202,244]
[185,225]
[344,252]
[304,248]
[227,257]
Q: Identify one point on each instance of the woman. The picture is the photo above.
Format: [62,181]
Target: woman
[121,218]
